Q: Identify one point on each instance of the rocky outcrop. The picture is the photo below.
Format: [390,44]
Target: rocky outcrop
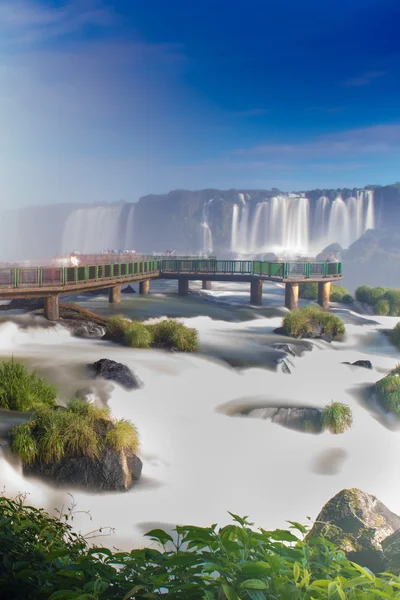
[115,371]
[300,418]
[357,523]
[83,328]
[360,363]
[111,471]
[391,552]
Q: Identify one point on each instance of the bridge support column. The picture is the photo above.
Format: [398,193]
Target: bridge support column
[144,287]
[206,285]
[324,293]
[256,292]
[114,294]
[291,295]
[183,287]
[51,308]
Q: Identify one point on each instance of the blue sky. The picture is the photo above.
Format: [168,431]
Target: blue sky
[102,101]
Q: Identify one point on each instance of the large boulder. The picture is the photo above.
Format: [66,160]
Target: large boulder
[357,523]
[112,471]
[115,371]
[360,363]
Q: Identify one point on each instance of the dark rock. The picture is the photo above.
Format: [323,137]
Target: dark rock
[363,363]
[299,418]
[26,303]
[83,328]
[111,471]
[333,249]
[357,523]
[114,371]
[128,290]
[285,367]
[285,348]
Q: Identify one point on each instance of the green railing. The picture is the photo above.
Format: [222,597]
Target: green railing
[70,276]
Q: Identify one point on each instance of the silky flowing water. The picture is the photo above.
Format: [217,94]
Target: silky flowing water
[199,462]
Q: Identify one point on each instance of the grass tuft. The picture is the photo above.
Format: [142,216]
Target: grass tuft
[300,323]
[337,417]
[22,390]
[123,435]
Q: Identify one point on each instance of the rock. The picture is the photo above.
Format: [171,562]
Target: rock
[284,348]
[299,418]
[128,290]
[83,328]
[114,371]
[363,363]
[112,471]
[333,249]
[357,523]
[285,367]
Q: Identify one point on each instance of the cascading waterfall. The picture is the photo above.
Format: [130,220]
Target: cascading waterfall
[129,241]
[282,224]
[207,235]
[93,229]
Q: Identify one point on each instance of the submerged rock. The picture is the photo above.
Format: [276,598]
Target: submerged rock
[357,523]
[111,471]
[83,328]
[285,367]
[360,363]
[284,348]
[115,371]
[128,290]
[299,418]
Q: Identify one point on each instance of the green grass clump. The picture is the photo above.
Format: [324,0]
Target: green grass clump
[80,429]
[123,435]
[165,334]
[337,417]
[299,323]
[43,558]
[22,390]
[138,335]
[387,391]
[394,336]
[173,334]
[382,307]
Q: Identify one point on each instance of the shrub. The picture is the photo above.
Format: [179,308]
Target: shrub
[308,290]
[394,336]
[347,299]
[337,417]
[300,323]
[387,390]
[43,558]
[81,429]
[339,293]
[393,297]
[363,293]
[173,334]
[382,307]
[22,390]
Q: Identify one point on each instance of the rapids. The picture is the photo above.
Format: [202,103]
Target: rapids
[199,462]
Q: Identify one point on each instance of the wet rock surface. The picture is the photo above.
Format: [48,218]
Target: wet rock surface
[115,371]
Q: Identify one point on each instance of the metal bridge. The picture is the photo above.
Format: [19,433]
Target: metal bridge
[50,282]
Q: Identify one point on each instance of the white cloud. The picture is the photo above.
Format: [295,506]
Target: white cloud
[364,79]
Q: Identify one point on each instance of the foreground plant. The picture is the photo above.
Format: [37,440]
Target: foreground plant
[42,558]
[387,390]
[337,417]
[22,390]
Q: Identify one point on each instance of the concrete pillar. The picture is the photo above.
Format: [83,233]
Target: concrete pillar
[256,292]
[206,285]
[114,294]
[183,287]
[324,293]
[291,295]
[51,309]
[144,287]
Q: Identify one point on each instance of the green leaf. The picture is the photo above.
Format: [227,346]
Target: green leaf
[296,571]
[159,535]
[363,571]
[254,584]
[229,592]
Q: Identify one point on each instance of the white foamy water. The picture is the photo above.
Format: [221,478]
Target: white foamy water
[198,463]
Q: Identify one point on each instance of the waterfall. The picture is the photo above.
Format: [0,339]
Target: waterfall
[339,230]
[321,218]
[254,231]
[207,235]
[235,227]
[243,229]
[370,216]
[129,240]
[93,229]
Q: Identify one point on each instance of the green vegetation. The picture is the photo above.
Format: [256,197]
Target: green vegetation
[387,390]
[394,336]
[22,390]
[337,417]
[385,301]
[309,291]
[81,429]
[43,559]
[302,322]
[164,334]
